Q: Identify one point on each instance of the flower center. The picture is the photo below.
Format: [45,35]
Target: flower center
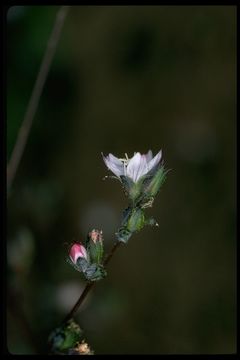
[125,162]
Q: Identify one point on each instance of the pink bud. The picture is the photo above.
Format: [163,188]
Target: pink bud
[77,251]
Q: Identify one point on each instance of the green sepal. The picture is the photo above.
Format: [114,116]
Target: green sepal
[127,183]
[95,251]
[82,264]
[133,220]
[152,187]
[95,272]
[132,189]
[123,235]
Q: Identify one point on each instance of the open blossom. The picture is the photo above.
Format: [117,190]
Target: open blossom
[77,251]
[135,167]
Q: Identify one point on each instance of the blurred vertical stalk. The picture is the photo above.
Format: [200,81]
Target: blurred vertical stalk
[24,133]
[35,96]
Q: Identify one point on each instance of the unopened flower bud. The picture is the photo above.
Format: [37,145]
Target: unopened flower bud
[95,246]
[77,251]
[134,220]
[153,186]
[95,236]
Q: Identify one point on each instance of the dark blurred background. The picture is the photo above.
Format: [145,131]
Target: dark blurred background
[125,79]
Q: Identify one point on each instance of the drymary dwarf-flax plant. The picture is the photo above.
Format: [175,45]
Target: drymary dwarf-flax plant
[141,178]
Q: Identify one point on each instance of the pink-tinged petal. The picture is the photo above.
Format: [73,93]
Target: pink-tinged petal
[114,160]
[149,156]
[136,167]
[155,160]
[84,252]
[143,168]
[114,164]
[133,165]
[77,251]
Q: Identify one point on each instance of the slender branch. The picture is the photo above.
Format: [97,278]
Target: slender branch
[86,290]
[112,251]
[36,94]
[90,285]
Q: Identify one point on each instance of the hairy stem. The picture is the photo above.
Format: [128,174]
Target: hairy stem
[35,96]
[90,285]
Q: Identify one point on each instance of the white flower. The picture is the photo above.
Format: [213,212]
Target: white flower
[134,168]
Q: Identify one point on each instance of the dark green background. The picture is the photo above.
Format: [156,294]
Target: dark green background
[125,79]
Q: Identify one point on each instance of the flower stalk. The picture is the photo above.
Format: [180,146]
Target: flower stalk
[141,177]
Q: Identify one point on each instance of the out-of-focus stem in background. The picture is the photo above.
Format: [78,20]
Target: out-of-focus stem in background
[35,96]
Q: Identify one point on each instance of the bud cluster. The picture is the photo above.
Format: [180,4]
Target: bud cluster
[88,259]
